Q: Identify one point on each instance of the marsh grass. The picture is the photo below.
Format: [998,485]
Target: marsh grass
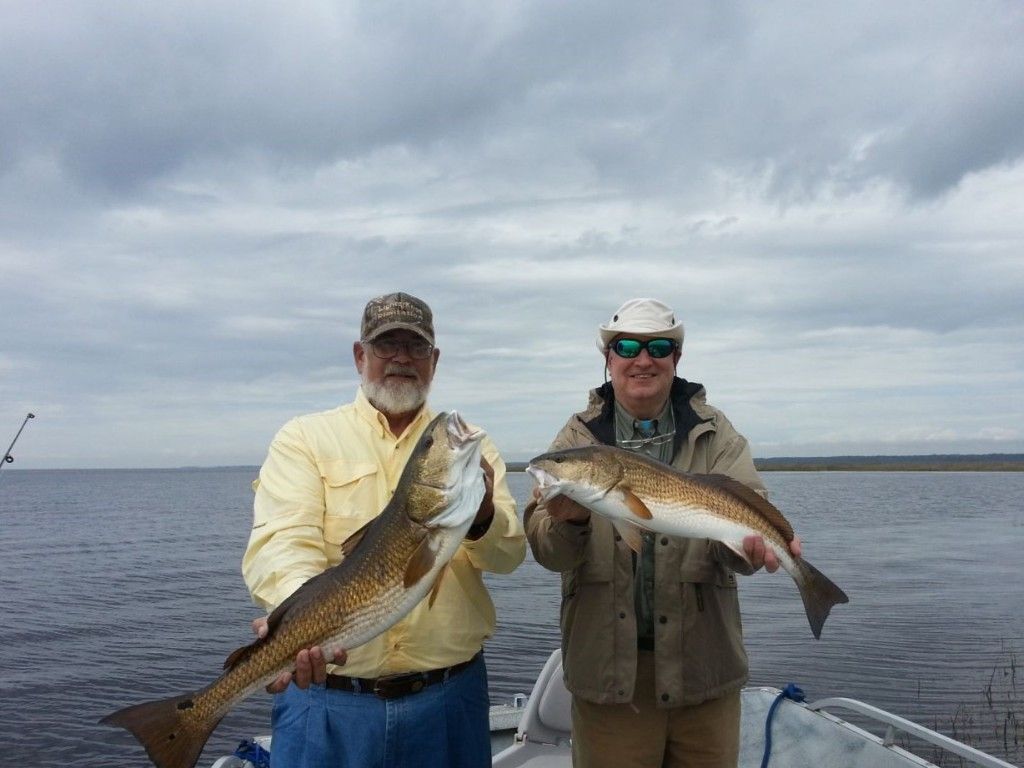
[991,721]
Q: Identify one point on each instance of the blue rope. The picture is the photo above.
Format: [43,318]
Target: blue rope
[254,753]
[791,691]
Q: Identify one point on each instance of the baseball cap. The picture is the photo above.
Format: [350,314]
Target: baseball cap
[397,311]
[644,317]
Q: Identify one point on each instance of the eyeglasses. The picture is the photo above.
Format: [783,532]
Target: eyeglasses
[385,349]
[656,348]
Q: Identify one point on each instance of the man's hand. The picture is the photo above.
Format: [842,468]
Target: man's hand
[310,663]
[760,555]
[486,510]
[563,508]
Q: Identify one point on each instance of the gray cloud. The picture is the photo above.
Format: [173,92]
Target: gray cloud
[196,201]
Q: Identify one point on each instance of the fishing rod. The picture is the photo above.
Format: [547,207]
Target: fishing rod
[8,458]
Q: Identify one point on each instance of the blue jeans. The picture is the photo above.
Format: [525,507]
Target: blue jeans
[445,724]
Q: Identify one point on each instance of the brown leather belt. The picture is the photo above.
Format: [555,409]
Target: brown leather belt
[396,686]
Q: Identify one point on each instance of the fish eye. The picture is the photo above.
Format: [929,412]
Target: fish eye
[559,459]
[429,441]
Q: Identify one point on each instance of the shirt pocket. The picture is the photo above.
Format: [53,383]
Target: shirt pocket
[351,497]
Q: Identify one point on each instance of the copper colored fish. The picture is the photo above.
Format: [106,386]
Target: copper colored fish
[388,567]
[638,494]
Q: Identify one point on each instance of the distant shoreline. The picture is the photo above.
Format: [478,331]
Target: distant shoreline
[991,462]
[988,462]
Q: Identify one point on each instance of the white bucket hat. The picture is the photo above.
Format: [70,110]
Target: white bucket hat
[644,317]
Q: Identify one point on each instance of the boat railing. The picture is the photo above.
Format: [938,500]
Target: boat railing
[895,725]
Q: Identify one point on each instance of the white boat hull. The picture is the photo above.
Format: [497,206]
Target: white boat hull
[537,735]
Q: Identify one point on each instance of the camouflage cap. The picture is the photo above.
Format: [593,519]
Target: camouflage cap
[397,311]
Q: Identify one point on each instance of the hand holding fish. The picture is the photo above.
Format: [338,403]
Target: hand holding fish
[486,510]
[310,663]
[562,508]
[760,555]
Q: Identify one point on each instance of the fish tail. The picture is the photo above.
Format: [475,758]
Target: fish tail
[818,593]
[170,729]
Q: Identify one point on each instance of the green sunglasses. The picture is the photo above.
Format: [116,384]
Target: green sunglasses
[656,348]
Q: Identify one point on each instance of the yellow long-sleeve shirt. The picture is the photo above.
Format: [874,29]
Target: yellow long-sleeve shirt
[326,475]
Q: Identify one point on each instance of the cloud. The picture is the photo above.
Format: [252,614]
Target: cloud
[196,201]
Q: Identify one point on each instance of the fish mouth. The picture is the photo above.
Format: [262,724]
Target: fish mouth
[464,483]
[546,482]
[541,477]
[460,433]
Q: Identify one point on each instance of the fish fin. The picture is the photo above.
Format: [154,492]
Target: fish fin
[630,534]
[437,586]
[309,588]
[421,562]
[635,504]
[169,729]
[348,546]
[818,593]
[751,498]
[240,654]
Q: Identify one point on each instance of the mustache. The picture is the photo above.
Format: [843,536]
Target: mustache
[401,370]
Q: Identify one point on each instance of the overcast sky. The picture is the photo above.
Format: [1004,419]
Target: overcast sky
[197,199]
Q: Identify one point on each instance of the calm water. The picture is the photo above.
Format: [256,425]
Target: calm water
[120,586]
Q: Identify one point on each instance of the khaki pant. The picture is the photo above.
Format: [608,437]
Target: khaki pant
[641,735]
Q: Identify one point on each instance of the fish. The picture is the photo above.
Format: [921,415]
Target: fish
[637,493]
[388,567]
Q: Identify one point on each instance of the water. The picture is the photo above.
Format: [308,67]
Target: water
[120,586]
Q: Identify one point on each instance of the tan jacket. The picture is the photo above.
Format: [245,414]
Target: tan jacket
[699,652]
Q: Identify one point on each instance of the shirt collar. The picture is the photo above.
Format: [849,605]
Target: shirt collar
[379,421]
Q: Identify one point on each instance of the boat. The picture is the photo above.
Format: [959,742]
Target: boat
[778,729]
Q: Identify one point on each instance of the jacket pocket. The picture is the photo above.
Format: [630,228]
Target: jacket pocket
[706,579]
[599,561]
[712,630]
[698,571]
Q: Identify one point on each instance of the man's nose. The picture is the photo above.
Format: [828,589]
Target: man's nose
[645,356]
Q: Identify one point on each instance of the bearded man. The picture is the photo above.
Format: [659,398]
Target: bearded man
[416,695]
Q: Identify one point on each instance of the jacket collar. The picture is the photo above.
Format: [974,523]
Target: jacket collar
[603,424]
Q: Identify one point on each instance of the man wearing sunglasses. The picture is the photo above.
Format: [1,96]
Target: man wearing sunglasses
[652,644]
[416,695]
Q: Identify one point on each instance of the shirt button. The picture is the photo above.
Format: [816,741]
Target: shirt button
[664,697]
[664,540]
[663,619]
[622,615]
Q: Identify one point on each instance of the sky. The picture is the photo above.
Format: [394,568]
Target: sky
[197,199]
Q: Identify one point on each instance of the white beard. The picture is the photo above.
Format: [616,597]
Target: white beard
[395,398]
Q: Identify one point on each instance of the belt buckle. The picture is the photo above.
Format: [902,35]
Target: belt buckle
[399,685]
